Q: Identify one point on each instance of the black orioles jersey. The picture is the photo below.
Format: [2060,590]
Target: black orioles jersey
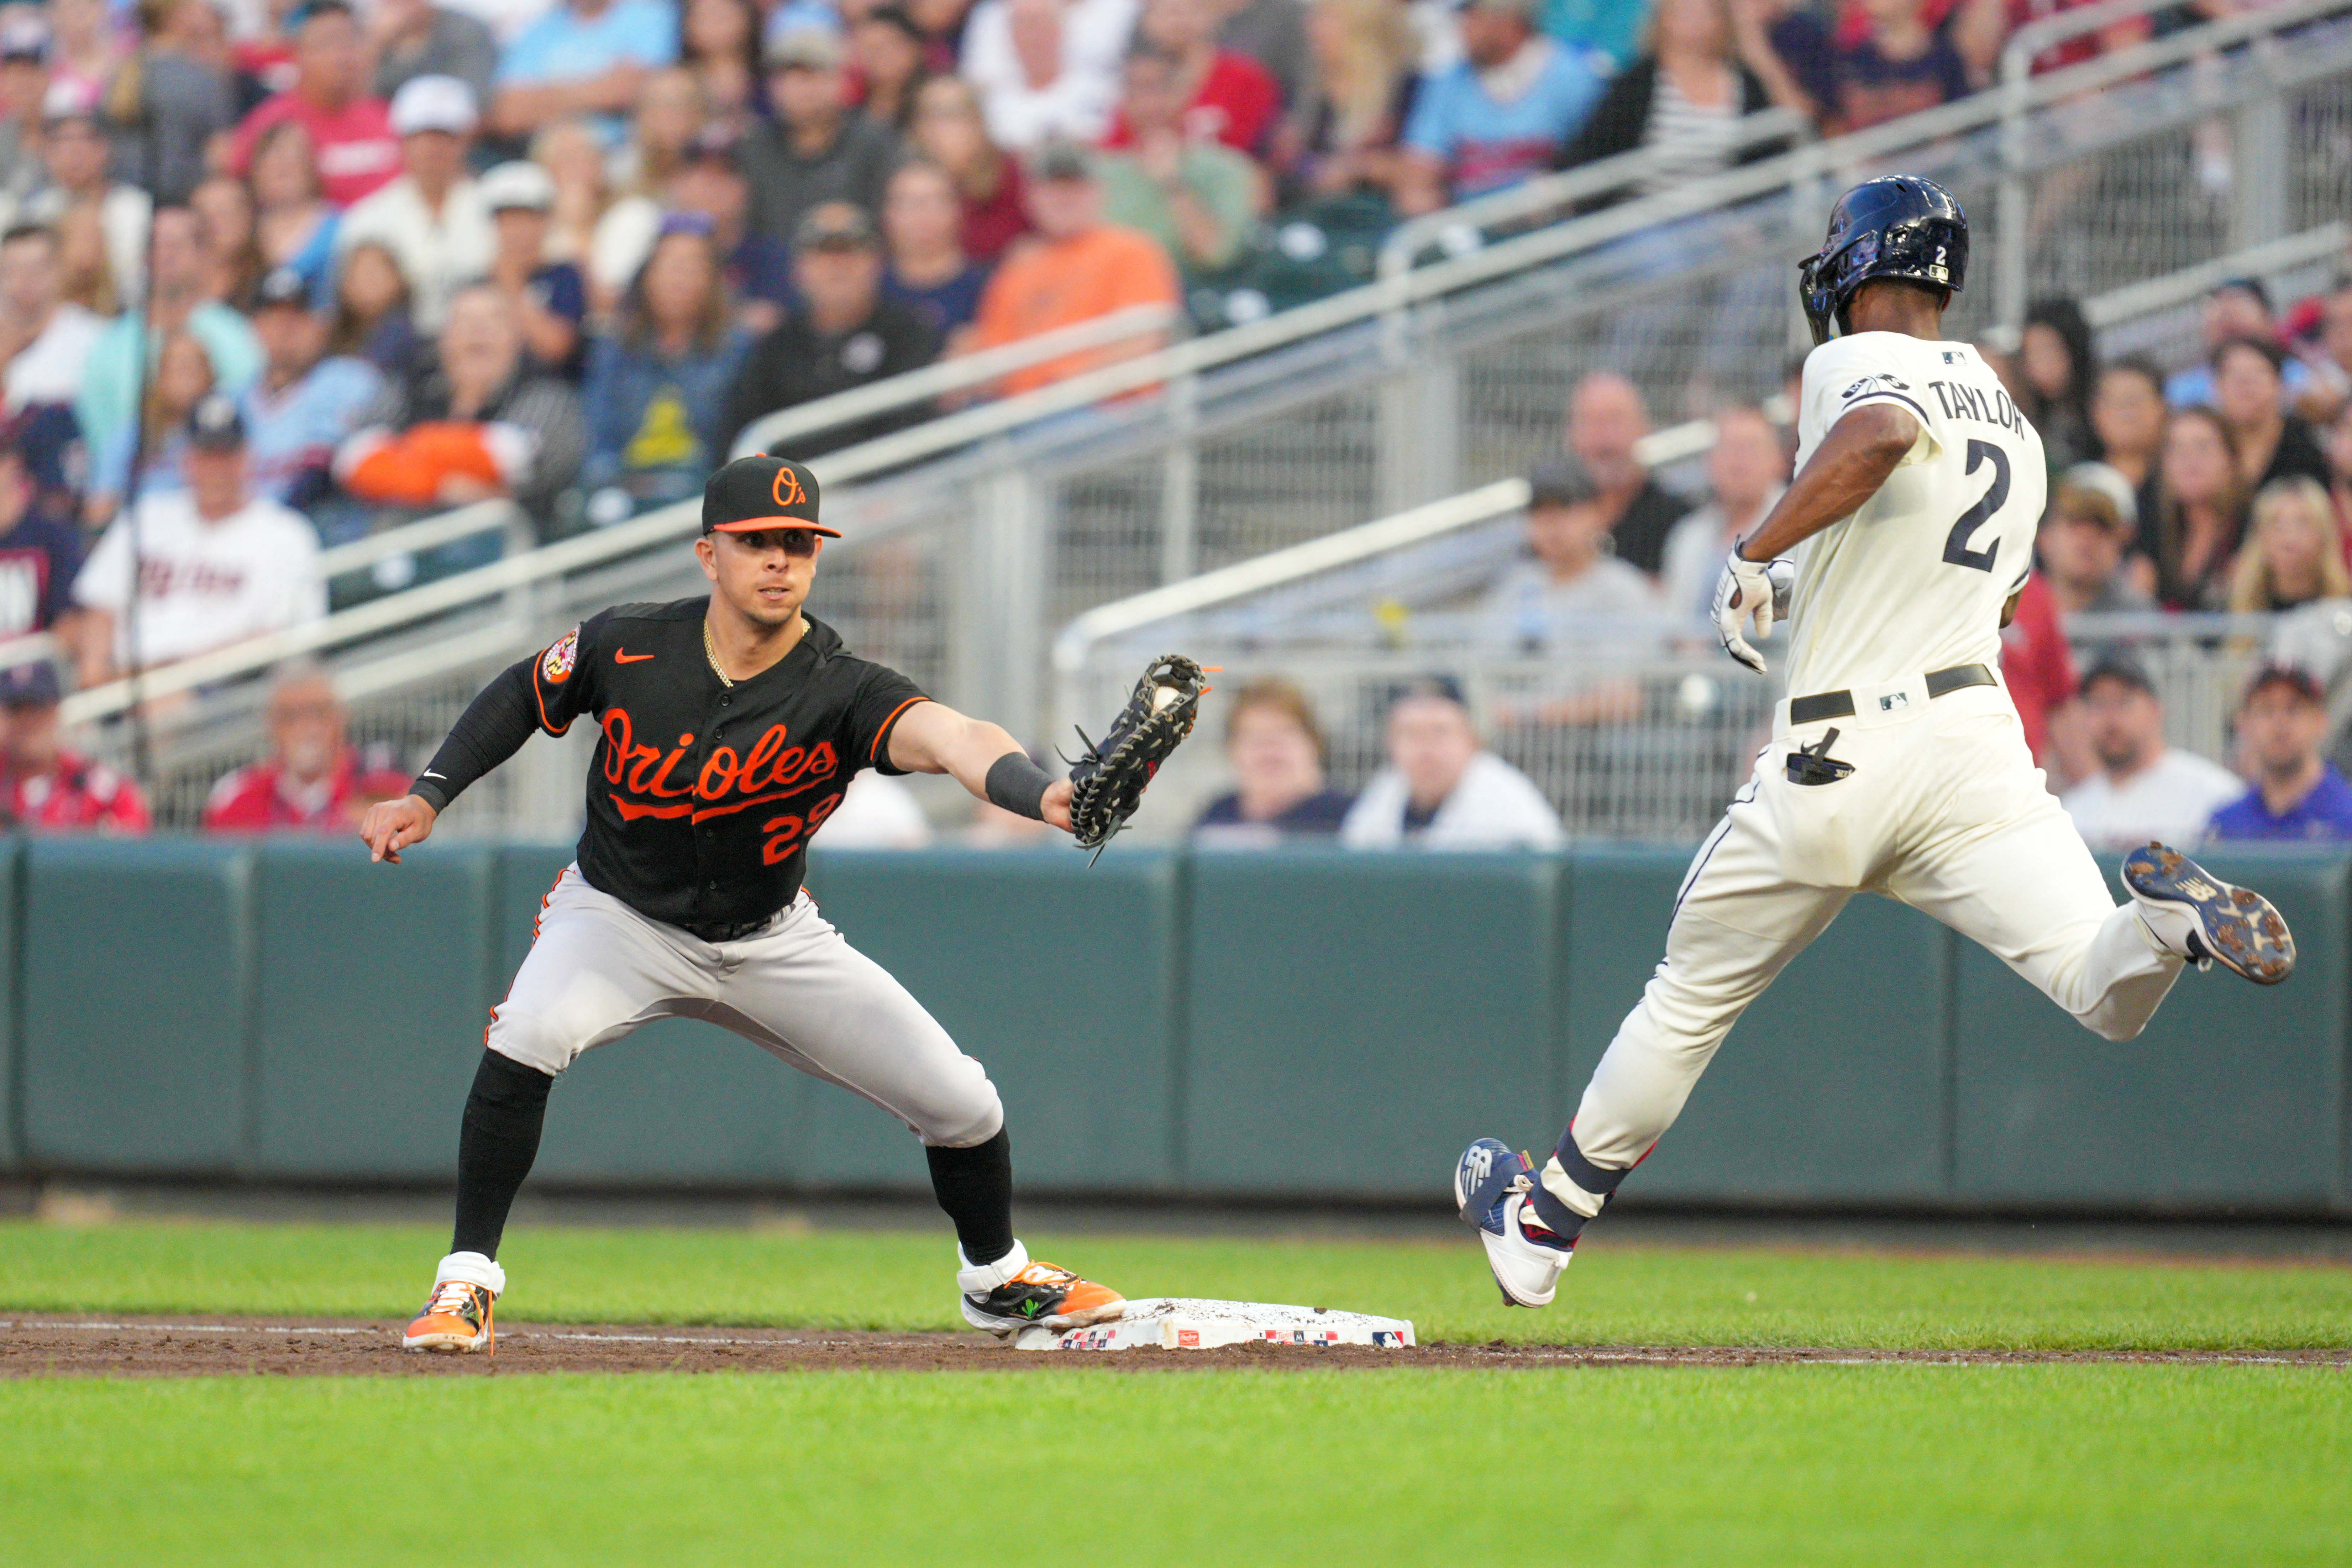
[701,796]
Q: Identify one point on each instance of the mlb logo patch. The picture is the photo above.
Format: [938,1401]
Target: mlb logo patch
[1893,700]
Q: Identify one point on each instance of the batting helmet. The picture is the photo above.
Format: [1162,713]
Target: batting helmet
[1898,226]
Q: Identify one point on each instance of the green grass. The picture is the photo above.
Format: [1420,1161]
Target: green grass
[1784,1464]
[1622,1295]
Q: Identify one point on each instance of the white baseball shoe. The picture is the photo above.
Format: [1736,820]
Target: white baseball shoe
[2205,919]
[1491,1189]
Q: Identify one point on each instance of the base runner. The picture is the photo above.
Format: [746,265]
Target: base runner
[731,726]
[1899,765]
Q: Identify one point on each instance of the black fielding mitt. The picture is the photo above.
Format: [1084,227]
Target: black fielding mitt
[1107,780]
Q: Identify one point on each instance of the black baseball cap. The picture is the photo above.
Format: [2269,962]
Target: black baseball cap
[762,491]
[216,425]
[1561,481]
[2304,684]
[33,684]
[2121,667]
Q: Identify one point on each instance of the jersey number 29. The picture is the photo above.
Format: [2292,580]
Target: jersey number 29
[1996,496]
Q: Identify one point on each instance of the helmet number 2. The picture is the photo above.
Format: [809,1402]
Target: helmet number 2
[1996,496]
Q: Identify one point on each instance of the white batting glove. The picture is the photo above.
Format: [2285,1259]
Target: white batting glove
[1749,590]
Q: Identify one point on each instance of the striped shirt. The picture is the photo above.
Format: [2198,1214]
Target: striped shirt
[1691,141]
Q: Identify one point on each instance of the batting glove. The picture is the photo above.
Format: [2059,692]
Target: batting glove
[1751,590]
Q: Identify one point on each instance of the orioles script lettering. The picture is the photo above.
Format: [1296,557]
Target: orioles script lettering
[646,783]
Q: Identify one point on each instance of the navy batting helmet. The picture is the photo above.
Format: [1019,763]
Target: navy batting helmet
[1898,226]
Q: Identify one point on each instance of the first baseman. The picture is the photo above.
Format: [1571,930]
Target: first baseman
[731,726]
[1899,765]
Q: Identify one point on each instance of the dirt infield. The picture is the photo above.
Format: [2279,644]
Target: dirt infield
[67,1345]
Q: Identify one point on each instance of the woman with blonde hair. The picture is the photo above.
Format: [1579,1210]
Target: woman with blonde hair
[85,266]
[2293,552]
[607,235]
[1342,135]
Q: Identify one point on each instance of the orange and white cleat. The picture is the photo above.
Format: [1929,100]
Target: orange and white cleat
[1013,1293]
[458,1315]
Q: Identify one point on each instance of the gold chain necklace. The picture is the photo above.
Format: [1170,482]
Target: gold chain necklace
[710,652]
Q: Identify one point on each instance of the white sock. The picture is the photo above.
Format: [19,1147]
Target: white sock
[979,1280]
[473,1269]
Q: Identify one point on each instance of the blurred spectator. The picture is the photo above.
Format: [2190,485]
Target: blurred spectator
[1196,198]
[2294,552]
[2297,793]
[45,339]
[1682,99]
[817,149]
[483,422]
[40,551]
[351,130]
[845,334]
[658,384]
[547,298]
[1278,754]
[185,94]
[232,252]
[950,131]
[2240,307]
[85,53]
[23,92]
[1342,135]
[1573,593]
[759,267]
[661,133]
[927,272]
[1219,94]
[1606,422]
[2338,442]
[2201,510]
[45,787]
[215,563]
[1788,43]
[305,404]
[1080,267]
[1046,69]
[1746,471]
[293,225]
[722,50]
[372,321]
[1902,63]
[1442,790]
[79,160]
[2057,366]
[2330,358]
[583,57]
[177,303]
[877,812]
[433,218]
[886,49]
[2127,420]
[1499,115]
[2084,540]
[312,781]
[2144,789]
[157,442]
[2036,665]
[601,231]
[415,38]
[86,273]
[1272,34]
[2270,443]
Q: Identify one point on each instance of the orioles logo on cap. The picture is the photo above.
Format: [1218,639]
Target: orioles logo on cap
[787,488]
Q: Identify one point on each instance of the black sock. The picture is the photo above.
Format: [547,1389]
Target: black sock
[975,1187]
[496,1147]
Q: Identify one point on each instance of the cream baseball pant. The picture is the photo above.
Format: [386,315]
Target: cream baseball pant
[598,969]
[1944,810]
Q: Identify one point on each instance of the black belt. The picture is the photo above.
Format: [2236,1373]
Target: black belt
[1840,704]
[736,932]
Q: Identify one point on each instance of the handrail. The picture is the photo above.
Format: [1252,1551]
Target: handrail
[955,374]
[2025,45]
[1548,192]
[441,528]
[2312,245]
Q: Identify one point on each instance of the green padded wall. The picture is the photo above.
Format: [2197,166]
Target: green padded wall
[1059,976]
[2234,1095]
[677,1102]
[1833,1087]
[1356,1019]
[373,981]
[137,958]
[12,1106]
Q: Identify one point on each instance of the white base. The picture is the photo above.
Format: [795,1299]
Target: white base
[1176,1322]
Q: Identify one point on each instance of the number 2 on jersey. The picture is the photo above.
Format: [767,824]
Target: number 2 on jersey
[1996,496]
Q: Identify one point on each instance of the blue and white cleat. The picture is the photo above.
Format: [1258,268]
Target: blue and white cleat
[1491,1187]
[2207,921]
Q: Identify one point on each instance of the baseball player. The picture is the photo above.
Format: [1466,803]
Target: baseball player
[1898,765]
[731,726]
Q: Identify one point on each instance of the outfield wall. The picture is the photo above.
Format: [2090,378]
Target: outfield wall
[1216,1024]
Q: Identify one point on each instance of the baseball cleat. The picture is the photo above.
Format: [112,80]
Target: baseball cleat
[1034,1295]
[456,1317]
[2207,921]
[1491,1188]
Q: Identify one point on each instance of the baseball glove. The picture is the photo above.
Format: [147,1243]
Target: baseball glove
[1107,780]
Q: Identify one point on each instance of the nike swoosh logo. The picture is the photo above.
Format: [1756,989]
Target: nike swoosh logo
[429,774]
[622,656]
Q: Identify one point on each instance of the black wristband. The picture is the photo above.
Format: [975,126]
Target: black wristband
[1018,785]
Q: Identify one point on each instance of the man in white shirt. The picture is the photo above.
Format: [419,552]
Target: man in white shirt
[45,339]
[215,565]
[2144,790]
[433,218]
[1574,593]
[1442,790]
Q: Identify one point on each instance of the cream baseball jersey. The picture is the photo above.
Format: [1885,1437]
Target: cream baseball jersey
[1915,579]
